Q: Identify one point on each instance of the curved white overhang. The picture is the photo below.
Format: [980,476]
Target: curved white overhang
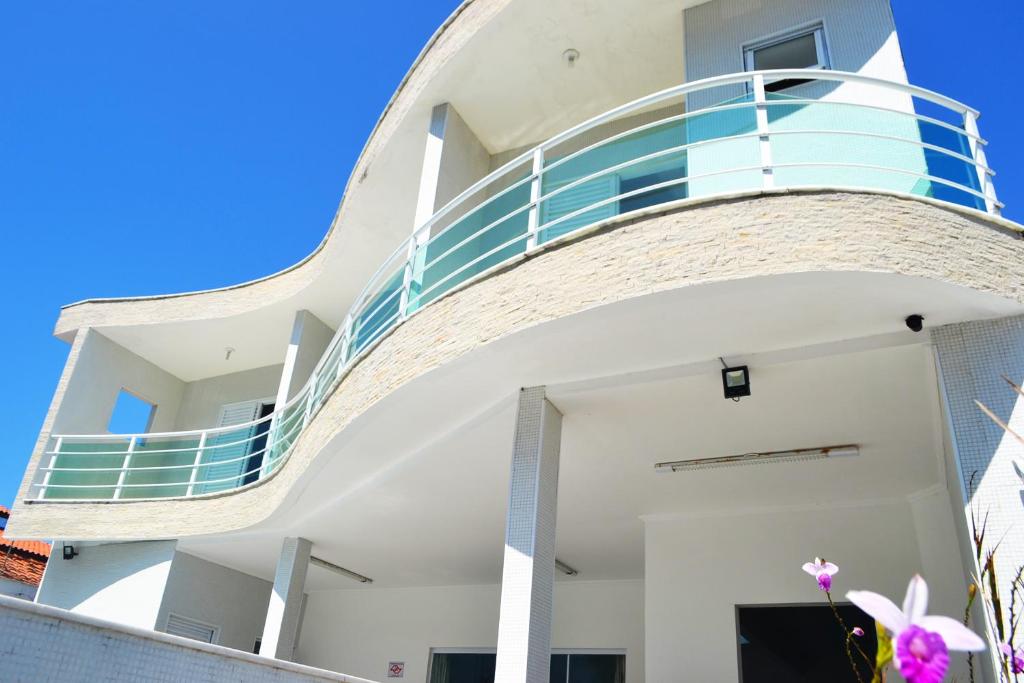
[673,290]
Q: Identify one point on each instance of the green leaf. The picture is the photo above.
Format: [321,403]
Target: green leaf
[884,656]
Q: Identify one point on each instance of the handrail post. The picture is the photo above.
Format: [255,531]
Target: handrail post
[307,411]
[407,275]
[536,187]
[49,467]
[980,162]
[346,344]
[125,464]
[761,113]
[194,474]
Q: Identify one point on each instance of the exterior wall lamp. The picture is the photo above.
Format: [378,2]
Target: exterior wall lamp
[69,552]
[735,381]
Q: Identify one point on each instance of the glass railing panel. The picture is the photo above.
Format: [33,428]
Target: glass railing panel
[148,477]
[887,140]
[378,314]
[574,182]
[492,232]
[104,456]
[838,134]
[723,149]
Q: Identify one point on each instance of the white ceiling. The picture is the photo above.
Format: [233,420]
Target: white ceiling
[414,491]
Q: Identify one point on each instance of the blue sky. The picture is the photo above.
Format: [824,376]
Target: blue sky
[151,147]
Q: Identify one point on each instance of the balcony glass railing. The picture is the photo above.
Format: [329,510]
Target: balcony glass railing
[711,138]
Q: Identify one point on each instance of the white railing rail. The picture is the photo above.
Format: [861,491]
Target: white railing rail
[428,263]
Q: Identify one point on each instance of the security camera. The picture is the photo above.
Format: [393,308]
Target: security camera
[915,322]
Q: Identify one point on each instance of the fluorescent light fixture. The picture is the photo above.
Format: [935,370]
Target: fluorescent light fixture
[564,568]
[797,455]
[330,566]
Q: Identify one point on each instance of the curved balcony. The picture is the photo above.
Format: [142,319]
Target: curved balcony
[714,138]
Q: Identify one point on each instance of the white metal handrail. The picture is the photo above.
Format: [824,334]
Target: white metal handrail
[400,282]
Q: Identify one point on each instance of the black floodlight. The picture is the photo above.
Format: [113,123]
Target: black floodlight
[736,382]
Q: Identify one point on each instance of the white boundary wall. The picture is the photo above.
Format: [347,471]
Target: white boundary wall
[47,644]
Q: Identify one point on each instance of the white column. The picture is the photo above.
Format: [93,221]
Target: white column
[528,574]
[309,339]
[972,359]
[284,614]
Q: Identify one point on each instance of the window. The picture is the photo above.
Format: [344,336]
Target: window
[799,643]
[178,625]
[566,667]
[803,49]
[132,415]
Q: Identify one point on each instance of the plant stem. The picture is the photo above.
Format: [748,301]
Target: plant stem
[849,639]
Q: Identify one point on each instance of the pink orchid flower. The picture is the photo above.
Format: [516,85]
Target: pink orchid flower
[857,631]
[1016,658]
[922,643]
[822,571]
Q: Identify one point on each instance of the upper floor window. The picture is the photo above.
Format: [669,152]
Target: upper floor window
[801,49]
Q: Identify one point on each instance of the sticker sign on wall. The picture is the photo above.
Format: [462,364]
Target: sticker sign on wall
[396,669]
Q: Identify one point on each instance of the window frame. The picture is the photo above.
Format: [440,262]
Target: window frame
[816,28]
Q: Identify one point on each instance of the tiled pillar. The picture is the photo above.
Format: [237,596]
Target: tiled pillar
[281,630]
[972,360]
[527,584]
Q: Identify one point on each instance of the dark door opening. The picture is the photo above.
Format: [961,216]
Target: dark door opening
[801,643]
[259,445]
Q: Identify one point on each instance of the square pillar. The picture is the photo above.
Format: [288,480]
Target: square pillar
[528,573]
[972,358]
[284,614]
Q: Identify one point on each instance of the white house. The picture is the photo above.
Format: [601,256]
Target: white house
[457,442]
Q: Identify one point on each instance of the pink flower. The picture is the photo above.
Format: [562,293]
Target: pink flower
[1016,658]
[922,643]
[922,655]
[823,571]
[858,631]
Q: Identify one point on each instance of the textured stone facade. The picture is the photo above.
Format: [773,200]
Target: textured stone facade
[700,243]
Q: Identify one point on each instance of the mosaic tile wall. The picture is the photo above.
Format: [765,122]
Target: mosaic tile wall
[974,357]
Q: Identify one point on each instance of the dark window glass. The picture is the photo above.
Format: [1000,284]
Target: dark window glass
[559,668]
[795,53]
[572,668]
[800,644]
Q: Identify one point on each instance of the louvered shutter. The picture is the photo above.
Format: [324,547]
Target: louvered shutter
[579,197]
[190,628]
[230,445]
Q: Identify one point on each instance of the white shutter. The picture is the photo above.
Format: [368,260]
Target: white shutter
[583,195]
[240,444]
[190,628]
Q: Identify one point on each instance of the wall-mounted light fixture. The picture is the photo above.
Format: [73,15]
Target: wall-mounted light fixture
[330,566]
[69,552]
[564,568]
[735,380]
[570,57]
[797,455]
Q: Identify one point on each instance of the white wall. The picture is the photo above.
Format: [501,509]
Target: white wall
[216,595]
[861,36]
[202,399]
[699,569]
[359,631]
[119,582]
[17,589]
[464,160]
[102,370]
[53,645]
